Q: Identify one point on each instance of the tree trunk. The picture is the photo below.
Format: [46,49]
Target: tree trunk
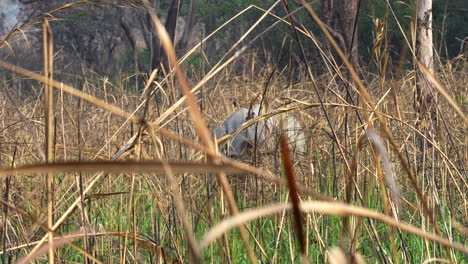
[327,7]
[126,12]
[170,25]
[426,96]
[340,17]
[189,26]
[347,11]
[210,46]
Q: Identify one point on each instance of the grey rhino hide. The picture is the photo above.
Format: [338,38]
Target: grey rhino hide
[293,129]
[246,137]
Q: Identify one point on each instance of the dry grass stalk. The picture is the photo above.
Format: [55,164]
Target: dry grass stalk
[70,90]
[141,238]
[70,209]
[49,129]
[389,178]
[335,137]
[337,256]
[368,103]
[218,68]
[58,242]
[199,123]
[451,176]
[193,246]
[442,91]
[33,219]
[118,111]
[128,116]
[23,29]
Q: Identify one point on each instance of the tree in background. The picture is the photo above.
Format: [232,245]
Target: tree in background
[92,34]
[191,21]
[170,25]
[426,96]
[341,18]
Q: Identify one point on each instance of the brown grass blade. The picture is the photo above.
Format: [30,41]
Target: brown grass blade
[118,167]
[288,167]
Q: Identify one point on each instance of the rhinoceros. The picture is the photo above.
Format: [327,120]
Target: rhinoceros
[259,132]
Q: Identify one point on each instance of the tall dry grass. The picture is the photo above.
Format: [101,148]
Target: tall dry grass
[135,176]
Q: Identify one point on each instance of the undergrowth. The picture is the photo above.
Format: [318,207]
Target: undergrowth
[130,214]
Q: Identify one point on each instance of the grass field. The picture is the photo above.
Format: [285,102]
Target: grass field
[135,176]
